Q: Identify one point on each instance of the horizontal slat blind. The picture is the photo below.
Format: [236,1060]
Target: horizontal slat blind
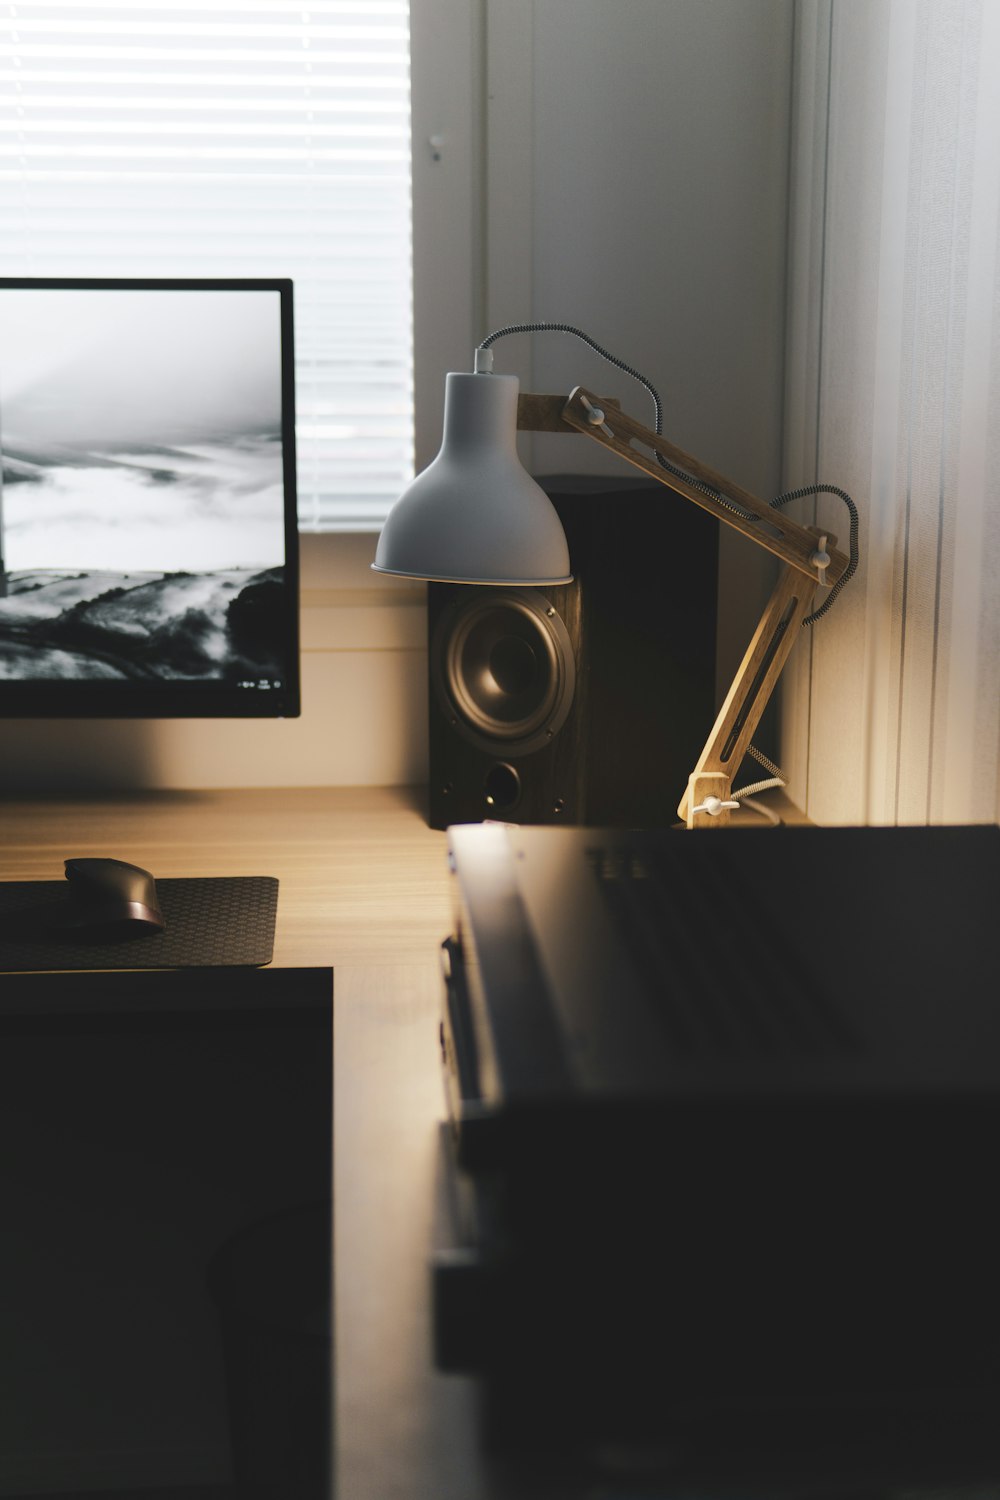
[234,139]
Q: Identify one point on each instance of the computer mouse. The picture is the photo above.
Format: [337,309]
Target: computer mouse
[110,898]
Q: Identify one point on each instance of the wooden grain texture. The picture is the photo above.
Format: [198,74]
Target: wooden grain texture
[701,786]
[773,640]
[536,413]
[362,879]
[404,1432]
[363,886]
[773,530]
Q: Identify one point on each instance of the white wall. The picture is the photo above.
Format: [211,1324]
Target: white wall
[893,713]
[637,158]
[621,167]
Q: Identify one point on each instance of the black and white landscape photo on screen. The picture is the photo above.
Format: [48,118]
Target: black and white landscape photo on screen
[141,499]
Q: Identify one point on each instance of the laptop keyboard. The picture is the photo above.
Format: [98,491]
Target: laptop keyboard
[715,959]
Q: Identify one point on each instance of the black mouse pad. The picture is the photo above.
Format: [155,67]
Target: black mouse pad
[209,922]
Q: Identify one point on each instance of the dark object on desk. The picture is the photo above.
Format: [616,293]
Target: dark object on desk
[147,1121]
[725,1138]
[272,1284]
[110,899]
[585,702]
[209,922]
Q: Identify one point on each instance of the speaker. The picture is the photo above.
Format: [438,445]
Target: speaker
[589,702]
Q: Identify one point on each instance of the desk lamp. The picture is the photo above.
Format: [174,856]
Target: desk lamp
[474,515]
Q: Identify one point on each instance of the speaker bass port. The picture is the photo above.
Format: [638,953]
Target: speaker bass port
[501,788]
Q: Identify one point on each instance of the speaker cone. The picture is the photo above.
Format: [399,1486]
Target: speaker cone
[502,667]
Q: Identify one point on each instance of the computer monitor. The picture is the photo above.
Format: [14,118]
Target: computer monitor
[148,534]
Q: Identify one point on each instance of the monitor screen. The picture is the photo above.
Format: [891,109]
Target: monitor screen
[148,537]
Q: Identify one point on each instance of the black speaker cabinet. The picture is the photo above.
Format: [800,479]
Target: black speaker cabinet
[589,702]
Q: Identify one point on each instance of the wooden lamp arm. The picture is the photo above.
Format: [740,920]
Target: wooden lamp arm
[792,543]
[747,698]
[807,563]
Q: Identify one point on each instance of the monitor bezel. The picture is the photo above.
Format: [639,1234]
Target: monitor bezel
[174,698]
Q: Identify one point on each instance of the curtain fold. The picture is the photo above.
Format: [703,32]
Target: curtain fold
[893,713]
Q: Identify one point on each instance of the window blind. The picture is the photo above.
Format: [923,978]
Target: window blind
[234,139]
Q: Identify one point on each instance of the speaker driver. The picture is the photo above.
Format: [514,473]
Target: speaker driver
[502,668]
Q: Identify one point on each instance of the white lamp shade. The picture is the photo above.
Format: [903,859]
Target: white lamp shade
[474,515]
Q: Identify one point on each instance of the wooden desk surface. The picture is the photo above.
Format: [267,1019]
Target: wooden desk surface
[364,889]
[362,877]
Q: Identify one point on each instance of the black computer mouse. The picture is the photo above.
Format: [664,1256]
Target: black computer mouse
[110,898]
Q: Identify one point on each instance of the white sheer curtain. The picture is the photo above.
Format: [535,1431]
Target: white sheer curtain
[892,714]
[234,138]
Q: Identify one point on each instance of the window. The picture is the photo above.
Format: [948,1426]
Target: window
[234,139]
